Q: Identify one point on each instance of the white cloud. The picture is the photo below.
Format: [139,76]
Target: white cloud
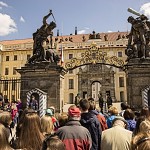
[109,31]
[2,4]
[7,25]
[145,9]
[22,19]
[81,31]
[84,31]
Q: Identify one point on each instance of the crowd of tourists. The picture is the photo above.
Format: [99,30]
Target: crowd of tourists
[83,127]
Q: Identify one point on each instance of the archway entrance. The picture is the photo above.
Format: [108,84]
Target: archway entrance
[95,78]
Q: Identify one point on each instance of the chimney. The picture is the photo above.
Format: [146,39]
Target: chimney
[57,32]
[75,30]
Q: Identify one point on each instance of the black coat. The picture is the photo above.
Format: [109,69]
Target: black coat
[91,122]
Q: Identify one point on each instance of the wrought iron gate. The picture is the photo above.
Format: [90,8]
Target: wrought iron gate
[10,89]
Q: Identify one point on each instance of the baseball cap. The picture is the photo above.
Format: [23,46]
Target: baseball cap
[49,112]
[74,112]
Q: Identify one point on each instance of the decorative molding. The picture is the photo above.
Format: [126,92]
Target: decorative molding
[94,55]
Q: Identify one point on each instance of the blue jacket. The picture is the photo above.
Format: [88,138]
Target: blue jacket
[131,124]
[109,120]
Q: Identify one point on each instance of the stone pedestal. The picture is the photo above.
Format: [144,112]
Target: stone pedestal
[47,77]
[138,78]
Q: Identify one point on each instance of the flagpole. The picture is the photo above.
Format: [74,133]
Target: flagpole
[62,54]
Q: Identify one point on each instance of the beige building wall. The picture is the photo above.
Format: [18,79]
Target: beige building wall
[23,48]
[13,56]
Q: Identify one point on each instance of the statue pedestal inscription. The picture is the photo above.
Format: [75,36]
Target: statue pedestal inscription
[47,77]
[138,78]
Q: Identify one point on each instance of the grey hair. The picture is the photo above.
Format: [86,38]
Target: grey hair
[119,123]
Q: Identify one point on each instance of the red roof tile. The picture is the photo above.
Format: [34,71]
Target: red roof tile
[112,36]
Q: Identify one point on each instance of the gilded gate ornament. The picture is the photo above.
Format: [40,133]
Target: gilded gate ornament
[94,55]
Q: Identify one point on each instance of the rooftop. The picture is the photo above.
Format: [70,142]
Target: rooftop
[79,38]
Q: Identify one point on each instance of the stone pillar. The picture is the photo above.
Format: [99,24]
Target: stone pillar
[47,77]
[138,77]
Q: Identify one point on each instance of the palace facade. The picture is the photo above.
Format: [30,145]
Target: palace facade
[88,80]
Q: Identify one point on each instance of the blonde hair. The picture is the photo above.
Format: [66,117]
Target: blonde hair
[145,125]
[46,124]
[5,118]
[113,110]
[141,141]
[31,136]
[4,144]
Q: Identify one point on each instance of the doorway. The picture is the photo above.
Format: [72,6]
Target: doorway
[96,89]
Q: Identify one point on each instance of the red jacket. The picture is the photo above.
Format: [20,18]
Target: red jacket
[13,113]
[75,136]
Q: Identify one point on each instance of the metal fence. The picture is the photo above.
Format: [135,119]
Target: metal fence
[10,89]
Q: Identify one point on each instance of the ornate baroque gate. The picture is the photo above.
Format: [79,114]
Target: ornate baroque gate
[96,70]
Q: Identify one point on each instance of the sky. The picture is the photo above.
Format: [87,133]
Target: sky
[20,18]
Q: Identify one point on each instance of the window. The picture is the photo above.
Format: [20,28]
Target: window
[15,57]
[14,71]
[119,54]
[28,56]
[71,96]
[121,81]
[70,71]
[7,58]
[121,96]
[71,84]
[6,71]
[70,56]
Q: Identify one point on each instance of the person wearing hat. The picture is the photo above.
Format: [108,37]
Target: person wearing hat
[117,137]
[73,135]
[50,112]
[33,103]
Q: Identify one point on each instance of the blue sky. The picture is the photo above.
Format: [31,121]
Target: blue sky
[20,18]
